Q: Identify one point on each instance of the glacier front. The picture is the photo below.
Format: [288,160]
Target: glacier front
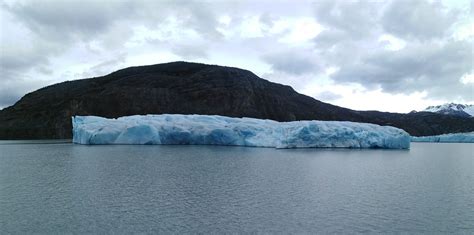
[467,137]
[220,130]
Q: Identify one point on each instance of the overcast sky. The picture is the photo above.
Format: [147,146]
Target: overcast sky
[371,55]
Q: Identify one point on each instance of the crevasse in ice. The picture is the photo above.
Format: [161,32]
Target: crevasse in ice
[220,130]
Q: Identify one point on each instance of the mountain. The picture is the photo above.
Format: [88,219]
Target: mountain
[191,88]
[464,110]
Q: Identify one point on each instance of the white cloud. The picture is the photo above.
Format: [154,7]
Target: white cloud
[467,79]
[391,42]
[299,30]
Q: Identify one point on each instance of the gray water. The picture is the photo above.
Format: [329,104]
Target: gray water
[66,188]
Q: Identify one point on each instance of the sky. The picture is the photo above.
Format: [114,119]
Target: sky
[395,56]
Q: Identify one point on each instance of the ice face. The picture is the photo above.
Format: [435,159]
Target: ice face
[449,138]
[219,130]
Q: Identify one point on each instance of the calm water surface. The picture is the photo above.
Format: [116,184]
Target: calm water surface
[66,188]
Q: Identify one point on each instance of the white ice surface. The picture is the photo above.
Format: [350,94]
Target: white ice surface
[219,130]
[449,138]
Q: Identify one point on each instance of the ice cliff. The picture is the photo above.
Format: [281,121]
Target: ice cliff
[220,130]
[449,138]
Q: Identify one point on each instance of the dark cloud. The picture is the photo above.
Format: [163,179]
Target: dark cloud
[435,68]
[357,18]
[9,96]
[199,17]
[432,60]
[11,91]
[330,37]
[20,60]
[291,62]
[417,19]
[15,62]
[88,19]
[66,20]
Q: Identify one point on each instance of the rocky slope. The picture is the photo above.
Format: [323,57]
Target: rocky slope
[190,88]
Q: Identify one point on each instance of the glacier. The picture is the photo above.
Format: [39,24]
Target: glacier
[220,130]
[467,137]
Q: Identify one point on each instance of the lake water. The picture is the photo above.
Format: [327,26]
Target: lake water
[66,188]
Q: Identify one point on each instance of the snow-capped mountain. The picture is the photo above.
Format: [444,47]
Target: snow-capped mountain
[452,109]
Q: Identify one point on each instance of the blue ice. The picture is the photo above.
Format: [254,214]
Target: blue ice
[220,130]
[448,138]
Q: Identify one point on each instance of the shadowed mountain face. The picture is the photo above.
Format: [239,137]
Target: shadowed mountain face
[190,88]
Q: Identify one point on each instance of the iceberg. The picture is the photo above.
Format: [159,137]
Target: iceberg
[220,130]
[448,138]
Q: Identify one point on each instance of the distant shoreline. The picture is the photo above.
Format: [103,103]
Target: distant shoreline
[36,141]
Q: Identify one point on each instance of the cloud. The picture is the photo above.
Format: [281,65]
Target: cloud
[395,46]
[434,67]
[330,37]
[357,18]
[328,96]
[267,19]
[89,19]
[106,67]
[11,90]
[291,62]
[407,47]
[66,20]
[199,17]
[20,50]
[9,95]
[190,51]
[21,59]
[421,20]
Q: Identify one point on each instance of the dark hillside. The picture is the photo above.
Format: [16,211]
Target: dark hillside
[190,88]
